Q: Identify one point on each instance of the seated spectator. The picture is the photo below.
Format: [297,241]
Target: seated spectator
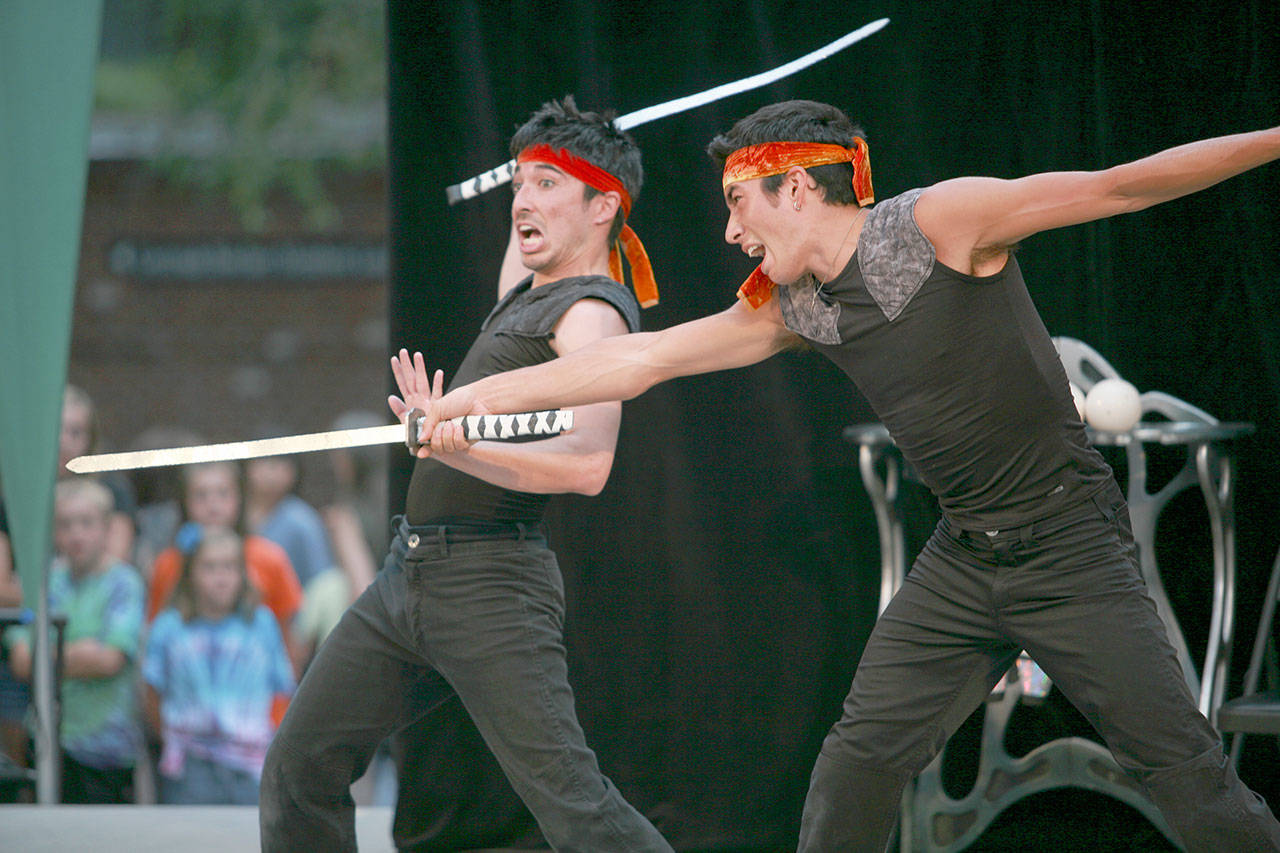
[80,435]
[101,598]
[214,663]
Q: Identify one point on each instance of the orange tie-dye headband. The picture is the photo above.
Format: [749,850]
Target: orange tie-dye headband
[774,158]
[642,280]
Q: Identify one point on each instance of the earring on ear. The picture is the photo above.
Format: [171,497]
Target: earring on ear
[796,205]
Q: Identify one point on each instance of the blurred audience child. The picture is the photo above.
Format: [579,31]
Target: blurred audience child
[355,519]
[273,509]
[14,694]
[214,663]
[360,477]
[159,495]
[211,498]
[102,600]
[80,435]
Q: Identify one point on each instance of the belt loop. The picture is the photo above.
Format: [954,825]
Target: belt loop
[1028,534]
[523,531]
[442,539]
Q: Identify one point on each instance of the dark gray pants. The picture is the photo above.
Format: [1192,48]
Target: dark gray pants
[1068,590]
[482,618]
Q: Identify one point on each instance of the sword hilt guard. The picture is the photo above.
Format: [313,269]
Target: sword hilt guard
[412,424]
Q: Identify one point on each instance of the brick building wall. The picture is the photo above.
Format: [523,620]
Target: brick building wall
[182,318]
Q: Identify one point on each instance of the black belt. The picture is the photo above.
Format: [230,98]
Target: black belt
[477,532]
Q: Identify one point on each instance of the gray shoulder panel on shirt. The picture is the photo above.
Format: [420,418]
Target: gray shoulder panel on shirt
[807,312]
[894,256]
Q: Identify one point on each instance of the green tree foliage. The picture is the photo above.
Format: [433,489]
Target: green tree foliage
[255,96]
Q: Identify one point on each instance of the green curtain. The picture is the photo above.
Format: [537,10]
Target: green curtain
[48,51]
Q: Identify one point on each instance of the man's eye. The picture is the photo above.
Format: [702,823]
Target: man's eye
[546,183]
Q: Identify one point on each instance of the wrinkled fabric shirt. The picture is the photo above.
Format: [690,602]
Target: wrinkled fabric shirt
[216,682]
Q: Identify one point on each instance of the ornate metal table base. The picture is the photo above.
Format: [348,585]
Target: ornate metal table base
[933,820]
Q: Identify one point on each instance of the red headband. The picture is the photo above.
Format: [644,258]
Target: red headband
[774,158]
[593,176]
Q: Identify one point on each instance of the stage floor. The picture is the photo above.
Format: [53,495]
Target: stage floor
[157,829]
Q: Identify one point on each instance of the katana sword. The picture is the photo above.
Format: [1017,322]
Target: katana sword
[475,427]
[502,174]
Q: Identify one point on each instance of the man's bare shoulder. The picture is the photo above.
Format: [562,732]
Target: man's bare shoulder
[587,320]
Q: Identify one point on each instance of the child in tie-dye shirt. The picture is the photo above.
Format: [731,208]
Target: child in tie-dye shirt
[214,662]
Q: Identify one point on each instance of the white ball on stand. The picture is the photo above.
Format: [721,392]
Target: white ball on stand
[1113,405]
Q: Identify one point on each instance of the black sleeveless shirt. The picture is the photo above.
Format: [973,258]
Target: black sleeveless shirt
[959,368]
[517,333]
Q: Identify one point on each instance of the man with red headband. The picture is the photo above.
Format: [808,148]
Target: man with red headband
[920,301]
[470,602]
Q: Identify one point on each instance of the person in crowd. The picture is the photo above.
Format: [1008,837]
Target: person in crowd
[355,520]
[211,497]
[215,660]
[159,496]
[14,693]
[274,510]
[102,600]
[80,435]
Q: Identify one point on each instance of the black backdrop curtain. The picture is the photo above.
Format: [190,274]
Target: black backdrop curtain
[722,586]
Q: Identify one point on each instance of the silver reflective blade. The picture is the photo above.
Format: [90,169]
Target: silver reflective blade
[237,449]
[476,428]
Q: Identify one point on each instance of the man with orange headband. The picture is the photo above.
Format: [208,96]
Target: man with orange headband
[470,602]
[920,301]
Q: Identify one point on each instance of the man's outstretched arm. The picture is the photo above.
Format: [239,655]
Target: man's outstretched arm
[973,216]
[617,368]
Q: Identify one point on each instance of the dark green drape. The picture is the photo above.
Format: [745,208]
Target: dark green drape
[721,588]
[47,58]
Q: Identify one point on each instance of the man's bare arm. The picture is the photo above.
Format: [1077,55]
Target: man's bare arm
[968,216]
[623,367]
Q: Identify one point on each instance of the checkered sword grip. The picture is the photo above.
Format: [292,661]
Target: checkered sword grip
[497,427]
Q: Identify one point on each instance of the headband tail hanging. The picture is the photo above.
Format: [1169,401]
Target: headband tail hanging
[642,281]
[862,188]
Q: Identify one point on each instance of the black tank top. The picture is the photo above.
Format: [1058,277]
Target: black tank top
[959,368]
[517,333]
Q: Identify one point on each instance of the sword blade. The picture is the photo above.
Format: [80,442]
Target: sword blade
[500,175]
[475,427]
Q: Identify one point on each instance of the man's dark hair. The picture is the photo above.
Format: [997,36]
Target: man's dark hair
[589,135]
[796,121]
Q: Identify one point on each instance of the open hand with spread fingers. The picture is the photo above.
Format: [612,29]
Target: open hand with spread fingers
[419,391]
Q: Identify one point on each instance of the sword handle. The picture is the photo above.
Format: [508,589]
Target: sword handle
[495,427]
